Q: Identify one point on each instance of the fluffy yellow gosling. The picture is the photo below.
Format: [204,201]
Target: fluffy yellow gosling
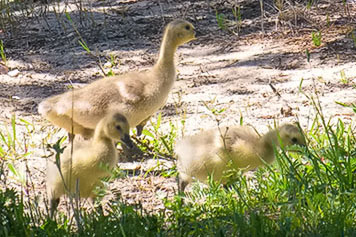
[90,161]
[210,152]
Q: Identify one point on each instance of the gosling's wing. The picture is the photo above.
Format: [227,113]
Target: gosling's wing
[241,135]
[132,87]
[244,148]
[97,97]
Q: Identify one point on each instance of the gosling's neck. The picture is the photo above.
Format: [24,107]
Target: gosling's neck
[166,54]
[100,136]
[268,141]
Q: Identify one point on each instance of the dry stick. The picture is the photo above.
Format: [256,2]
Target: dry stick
[223,136]
[99,62]
[75,210]
[209,8]
[185,10]
[274,90]
[262,19]
[162,13]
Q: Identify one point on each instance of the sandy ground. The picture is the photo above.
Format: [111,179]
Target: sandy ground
[249,74]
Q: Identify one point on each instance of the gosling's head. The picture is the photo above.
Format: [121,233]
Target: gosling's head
[181,31]
[118,128]
[291,135]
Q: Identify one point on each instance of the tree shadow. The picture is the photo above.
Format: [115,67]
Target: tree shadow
[111,25]
[126,29]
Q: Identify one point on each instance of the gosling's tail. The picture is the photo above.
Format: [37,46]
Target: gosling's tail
[48,106]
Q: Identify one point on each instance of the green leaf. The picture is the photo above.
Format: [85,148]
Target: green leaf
[84,45]
[110,73]
[13,169]
[4,140]
[165,144]
[68,16]
[147,133]
[308,55]
[2,52]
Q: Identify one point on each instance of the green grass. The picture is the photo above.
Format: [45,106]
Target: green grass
[2,52]
[308,192]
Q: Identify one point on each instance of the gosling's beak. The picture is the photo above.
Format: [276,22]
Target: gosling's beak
[194,35]
[127,141]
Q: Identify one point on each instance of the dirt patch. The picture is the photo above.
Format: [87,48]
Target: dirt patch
[249,74]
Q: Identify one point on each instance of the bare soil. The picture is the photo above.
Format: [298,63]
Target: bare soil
[250,74]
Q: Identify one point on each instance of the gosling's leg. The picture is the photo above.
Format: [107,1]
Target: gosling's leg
[53,206]
[99,209]
[71,137]
[86,133]
[182,183]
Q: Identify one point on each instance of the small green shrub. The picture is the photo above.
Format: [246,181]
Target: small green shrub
[316,37]
[220,18]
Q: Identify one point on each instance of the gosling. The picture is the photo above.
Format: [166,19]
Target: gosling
[90,161]
[210,152]
[136,95]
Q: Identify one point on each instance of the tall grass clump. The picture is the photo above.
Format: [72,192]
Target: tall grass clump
[307,192]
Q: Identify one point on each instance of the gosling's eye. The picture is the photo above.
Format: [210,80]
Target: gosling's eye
[294,140]
[187,27]
[118,127]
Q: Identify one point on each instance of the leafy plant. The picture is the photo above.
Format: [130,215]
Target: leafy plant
[236,11]
[343,78]
[11,147]
[158,143]
[220,18]
[316,37]
[112,62]
[85,46]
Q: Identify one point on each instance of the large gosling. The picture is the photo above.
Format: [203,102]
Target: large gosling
[137,95]
[210,152]
[90,161]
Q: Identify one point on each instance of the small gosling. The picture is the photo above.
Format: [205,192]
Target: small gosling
[209,152]
[137,95]
[89,162]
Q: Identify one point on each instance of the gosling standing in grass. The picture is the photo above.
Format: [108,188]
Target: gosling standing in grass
[210,152]
[90,161]
[137,95]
